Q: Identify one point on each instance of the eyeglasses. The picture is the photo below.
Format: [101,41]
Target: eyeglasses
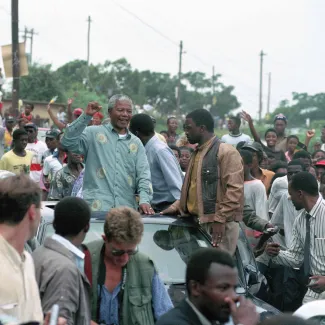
[120,252]
[29,130]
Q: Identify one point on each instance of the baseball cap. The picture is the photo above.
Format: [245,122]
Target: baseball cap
[99,115]
[52,134]
[253,145]
[10,119]
[30,125]
[78,111]
[280,117]
[320,163]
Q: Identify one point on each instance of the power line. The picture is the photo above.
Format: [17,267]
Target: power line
[145,23]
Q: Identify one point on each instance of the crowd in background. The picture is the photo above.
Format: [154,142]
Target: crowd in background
[275,187]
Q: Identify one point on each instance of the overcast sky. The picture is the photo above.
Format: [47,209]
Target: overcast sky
[226,33]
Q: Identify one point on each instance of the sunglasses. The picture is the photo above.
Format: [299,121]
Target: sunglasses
[120,252]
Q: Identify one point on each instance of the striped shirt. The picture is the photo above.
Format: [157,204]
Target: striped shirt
[294,256]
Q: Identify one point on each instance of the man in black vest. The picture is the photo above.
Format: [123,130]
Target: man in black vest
[211,280]
[213,188]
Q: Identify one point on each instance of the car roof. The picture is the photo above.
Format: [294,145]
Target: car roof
[48,216]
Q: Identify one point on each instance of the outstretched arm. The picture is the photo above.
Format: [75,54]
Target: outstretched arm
[249,120]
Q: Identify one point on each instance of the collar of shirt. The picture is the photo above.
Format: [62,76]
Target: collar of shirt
[236,135]
[202,318]
[68,245]
[151,142]
[110,127]
[11,252]
[206,144]
[313,211]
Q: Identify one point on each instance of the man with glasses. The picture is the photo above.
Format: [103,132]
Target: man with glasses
[125,282]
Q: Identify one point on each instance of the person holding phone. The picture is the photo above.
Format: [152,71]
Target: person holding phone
[307,246]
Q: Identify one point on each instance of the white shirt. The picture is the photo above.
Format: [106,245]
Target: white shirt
[37,148]
[51,165]
[255,197]
[80,256]
[19,294]
[294,256]
[284,217]
[235,139]
[279,187]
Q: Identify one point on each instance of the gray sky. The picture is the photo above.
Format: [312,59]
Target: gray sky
[228,34]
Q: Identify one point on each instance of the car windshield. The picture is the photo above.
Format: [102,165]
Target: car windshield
[169,246]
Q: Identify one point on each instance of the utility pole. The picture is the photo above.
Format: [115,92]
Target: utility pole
[88,40]
[178,108]
[262,54]
[31,46]
[213,86]
[269,94]
[29,34]
[15,55]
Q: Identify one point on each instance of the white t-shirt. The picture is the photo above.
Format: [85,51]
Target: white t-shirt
[51,165]
[255,197]
[235,139]
[37,148]
[279,187]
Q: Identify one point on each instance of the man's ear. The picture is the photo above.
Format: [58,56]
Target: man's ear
[31,212]
[195,288]
[104,237]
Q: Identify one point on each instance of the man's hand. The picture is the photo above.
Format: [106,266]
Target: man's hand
[245,313]
[172,210]
[272,249]
[218,230]
[310,133]
[70,101]
[317,283]
[61,320]
[92,108]
[146,208]
[245,116]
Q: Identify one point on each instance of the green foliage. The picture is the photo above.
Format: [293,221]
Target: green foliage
[98,82]
[41,84]
[304,106]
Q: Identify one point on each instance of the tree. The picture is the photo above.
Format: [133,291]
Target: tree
[41,84]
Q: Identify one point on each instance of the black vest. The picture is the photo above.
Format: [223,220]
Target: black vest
[209,177]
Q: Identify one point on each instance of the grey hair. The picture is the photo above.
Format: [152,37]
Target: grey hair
[120,97]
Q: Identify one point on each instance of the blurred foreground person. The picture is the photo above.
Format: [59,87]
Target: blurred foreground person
[59,263]
[211,280]
[20,204]
[126,288]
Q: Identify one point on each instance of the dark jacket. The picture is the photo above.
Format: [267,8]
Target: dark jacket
[253,221]
[220,172]
[60,282]
[183,314]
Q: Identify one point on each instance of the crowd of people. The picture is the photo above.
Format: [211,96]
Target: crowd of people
[120,168]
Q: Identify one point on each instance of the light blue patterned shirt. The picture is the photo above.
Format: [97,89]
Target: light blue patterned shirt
[161,302]
[116,167]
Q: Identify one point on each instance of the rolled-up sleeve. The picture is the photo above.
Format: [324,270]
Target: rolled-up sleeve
[143,176]
[232,185]
[171,171]
[76,136]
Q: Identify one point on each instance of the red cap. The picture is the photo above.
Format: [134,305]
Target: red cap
[99,114]
[320,163]
[78,111]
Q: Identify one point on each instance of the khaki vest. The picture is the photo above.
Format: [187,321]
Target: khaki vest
[137,298]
